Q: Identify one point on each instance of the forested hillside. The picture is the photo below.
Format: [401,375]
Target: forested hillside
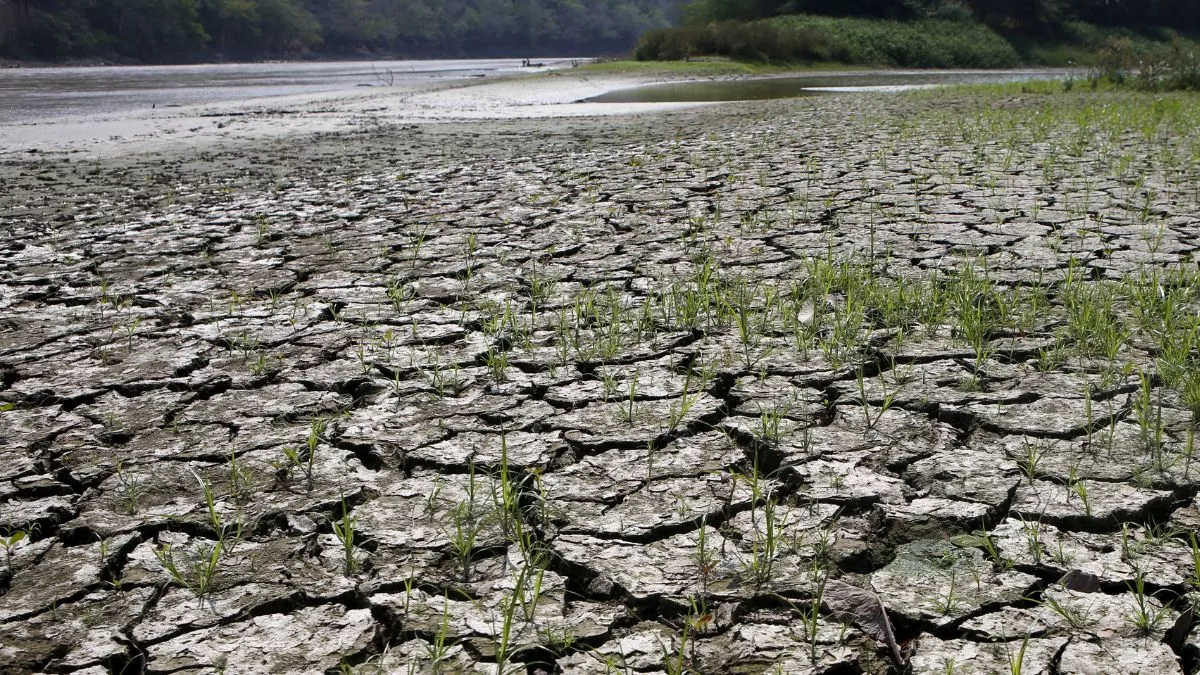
[183,30]
[934,33]
[1005,15]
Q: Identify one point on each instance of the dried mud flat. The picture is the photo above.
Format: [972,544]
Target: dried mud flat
[706,392]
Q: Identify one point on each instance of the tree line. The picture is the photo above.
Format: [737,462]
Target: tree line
[186,30]
[1013,16]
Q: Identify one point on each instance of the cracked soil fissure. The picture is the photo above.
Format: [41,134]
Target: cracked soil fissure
[867,383]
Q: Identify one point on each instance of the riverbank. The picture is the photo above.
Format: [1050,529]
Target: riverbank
[100,113]
[828,383]
[350,107]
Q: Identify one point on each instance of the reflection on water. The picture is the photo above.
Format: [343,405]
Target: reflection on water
[815,84]
[36,94]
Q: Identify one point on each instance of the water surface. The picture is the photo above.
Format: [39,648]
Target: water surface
[42,94]
[757,89]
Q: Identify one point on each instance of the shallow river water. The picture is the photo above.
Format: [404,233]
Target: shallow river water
[107,110]
[815,84]
[40,94]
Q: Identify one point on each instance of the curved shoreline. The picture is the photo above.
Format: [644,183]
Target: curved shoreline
[540,95]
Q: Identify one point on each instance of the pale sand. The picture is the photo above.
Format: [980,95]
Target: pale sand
[550,95]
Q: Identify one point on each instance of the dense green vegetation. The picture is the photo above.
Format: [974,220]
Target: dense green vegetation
[1034,16]
[180,30]
[931,33]
[919,44]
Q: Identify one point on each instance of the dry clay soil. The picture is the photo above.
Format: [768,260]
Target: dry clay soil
[391,306]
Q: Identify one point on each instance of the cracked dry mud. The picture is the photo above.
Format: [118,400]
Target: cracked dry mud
[690,393]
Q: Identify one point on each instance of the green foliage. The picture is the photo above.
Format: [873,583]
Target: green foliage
[919,44]
[1047,18]
[179,30]
[756,41]
[158,28]
[934,33]
[1176,67]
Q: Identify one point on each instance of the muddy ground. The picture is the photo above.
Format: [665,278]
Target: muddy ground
[603,395]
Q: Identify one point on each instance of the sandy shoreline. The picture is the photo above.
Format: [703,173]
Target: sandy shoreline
[157,157]
[553,94]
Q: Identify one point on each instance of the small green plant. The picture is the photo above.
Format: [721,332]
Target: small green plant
[1195,578]
[687,399]
[1060,555]
[228,534]
[130,330]
[497,364]
[345,531]
[200,571]
[1033,539]
[131,491]
[1016,664]
[1077,618]
[704,557]
[262,363]
[764,546]
[1079,487]
[241,478]
[1148,407]
[470,247]
[305,460]
[261,230]
[681,660]
[462,538]
[1029,462]
[506,498]
[988,543]
[14,537]
[525,594]
[627,410]
[889,397]
[439,649]
[811,617]
[1145,618]
[948,603]
[770,425]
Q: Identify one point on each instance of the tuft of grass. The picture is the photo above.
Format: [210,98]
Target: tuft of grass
[345,530]
[1145,618]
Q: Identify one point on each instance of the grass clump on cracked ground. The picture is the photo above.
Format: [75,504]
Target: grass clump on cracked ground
[691,400]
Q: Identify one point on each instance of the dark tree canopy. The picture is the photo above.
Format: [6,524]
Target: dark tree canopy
[1017,15]
[181,30]
[171,30]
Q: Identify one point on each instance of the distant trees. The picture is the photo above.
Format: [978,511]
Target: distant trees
[180,30]
[258,26]
[173,30]
[1016,15]
[160,27]
[8,20]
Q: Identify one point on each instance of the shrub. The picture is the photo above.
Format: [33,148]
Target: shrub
[755,41]
[1174,67]
[1177,69]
